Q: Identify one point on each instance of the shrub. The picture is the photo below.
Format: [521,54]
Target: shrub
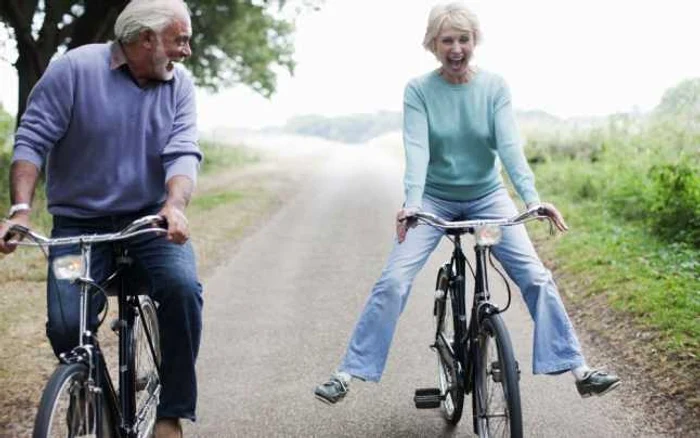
[675,202]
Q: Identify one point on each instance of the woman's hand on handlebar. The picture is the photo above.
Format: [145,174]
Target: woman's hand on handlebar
[404,221]
[549,210]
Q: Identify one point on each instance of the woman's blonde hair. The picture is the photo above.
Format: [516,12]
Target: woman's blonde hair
[454,14]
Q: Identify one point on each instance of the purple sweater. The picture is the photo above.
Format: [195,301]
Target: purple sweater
[110,145]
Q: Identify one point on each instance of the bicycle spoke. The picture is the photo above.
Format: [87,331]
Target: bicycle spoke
[497,378]
[444,346]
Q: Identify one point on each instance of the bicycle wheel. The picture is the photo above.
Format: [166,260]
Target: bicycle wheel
[447,365]
[67,407]
[147,380]
[496,398]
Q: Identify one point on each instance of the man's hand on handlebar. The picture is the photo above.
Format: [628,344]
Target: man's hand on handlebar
[178,227]
[404,221]
[7,239]
[549,210]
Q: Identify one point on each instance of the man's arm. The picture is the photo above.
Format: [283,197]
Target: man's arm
[180,190]
[23,178]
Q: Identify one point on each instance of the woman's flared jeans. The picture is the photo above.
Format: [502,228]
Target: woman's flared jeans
[556,348]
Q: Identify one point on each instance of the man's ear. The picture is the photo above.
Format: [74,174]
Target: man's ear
[148,39]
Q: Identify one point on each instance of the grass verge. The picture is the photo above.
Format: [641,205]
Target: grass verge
[638,294]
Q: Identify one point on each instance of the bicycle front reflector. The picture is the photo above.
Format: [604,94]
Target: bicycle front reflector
[487,235]
[68,267]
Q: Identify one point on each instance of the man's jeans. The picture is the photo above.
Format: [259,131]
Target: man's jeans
[556,348]
[169,272]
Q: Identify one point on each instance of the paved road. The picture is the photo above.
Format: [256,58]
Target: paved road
[279,313]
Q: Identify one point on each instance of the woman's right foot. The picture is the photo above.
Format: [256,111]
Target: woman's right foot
[331,391]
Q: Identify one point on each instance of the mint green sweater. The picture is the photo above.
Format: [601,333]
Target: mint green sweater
[454,136]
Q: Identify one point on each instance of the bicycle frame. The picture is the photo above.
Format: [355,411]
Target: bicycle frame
[466,329]
[121,406]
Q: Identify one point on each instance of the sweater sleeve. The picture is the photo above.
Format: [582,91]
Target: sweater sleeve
[181,155]
[509,146]
[417,148]
[47,115]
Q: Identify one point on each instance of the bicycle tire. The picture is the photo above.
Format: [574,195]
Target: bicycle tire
[449,382]
[67,407]
[146,377]
[496,397]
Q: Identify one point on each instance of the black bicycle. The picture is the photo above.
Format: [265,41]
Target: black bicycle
[474,355]
[80,399]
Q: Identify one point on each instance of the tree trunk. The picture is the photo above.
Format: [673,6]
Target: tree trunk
[30,65]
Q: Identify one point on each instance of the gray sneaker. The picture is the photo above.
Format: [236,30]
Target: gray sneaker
[332,391]
[597,382]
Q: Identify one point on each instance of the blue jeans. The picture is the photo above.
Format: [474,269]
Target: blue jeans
[556,348]
[168,270]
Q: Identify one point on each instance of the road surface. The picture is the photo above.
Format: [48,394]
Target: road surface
[279,312]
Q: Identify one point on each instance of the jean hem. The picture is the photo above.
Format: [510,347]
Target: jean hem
[361,376]
[182,416]
[559,367]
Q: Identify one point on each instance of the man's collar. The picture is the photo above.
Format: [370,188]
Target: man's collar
[117,56]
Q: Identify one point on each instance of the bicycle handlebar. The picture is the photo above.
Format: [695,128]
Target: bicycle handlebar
[156,223]
[535,212]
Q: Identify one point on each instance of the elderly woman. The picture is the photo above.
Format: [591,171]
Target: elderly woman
[458,122]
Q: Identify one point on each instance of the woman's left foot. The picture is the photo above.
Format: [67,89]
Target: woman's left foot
[597,382]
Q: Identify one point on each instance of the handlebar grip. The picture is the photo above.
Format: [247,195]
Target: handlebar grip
[15,231]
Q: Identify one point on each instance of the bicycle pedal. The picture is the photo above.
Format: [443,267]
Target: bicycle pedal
[427,398]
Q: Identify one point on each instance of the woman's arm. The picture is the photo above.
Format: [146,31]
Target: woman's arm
[417,149]
[509,146]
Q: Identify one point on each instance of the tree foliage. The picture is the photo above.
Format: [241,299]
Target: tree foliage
[683,99]
[234,41]
[239,42]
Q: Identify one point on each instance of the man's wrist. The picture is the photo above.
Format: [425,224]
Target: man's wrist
[18,208]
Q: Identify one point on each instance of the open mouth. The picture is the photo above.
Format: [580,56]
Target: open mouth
[456,64]
[170,66]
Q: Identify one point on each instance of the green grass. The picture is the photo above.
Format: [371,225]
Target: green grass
[655,281]
[209,201]
[221,156]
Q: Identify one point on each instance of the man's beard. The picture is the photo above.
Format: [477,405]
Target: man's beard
[163,69]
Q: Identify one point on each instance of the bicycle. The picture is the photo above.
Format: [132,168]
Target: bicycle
[476,358]
[80,399]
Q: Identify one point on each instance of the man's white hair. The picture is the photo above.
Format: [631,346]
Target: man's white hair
[140,15]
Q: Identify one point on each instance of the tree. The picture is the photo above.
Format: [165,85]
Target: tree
[234,41]
[683,99]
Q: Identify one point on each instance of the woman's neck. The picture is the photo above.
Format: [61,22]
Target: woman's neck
[464,78]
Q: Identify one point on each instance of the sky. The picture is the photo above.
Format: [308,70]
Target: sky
[569,58]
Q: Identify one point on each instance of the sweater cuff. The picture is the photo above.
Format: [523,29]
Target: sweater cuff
[531,198]
[25,153]
[186,166]
[413,199]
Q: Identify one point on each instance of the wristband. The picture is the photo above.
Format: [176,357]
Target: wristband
[17,208]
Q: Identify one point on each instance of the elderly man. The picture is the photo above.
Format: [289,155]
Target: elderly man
[117,123]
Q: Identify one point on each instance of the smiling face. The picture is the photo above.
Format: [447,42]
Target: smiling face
[171,45]
[454,49]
